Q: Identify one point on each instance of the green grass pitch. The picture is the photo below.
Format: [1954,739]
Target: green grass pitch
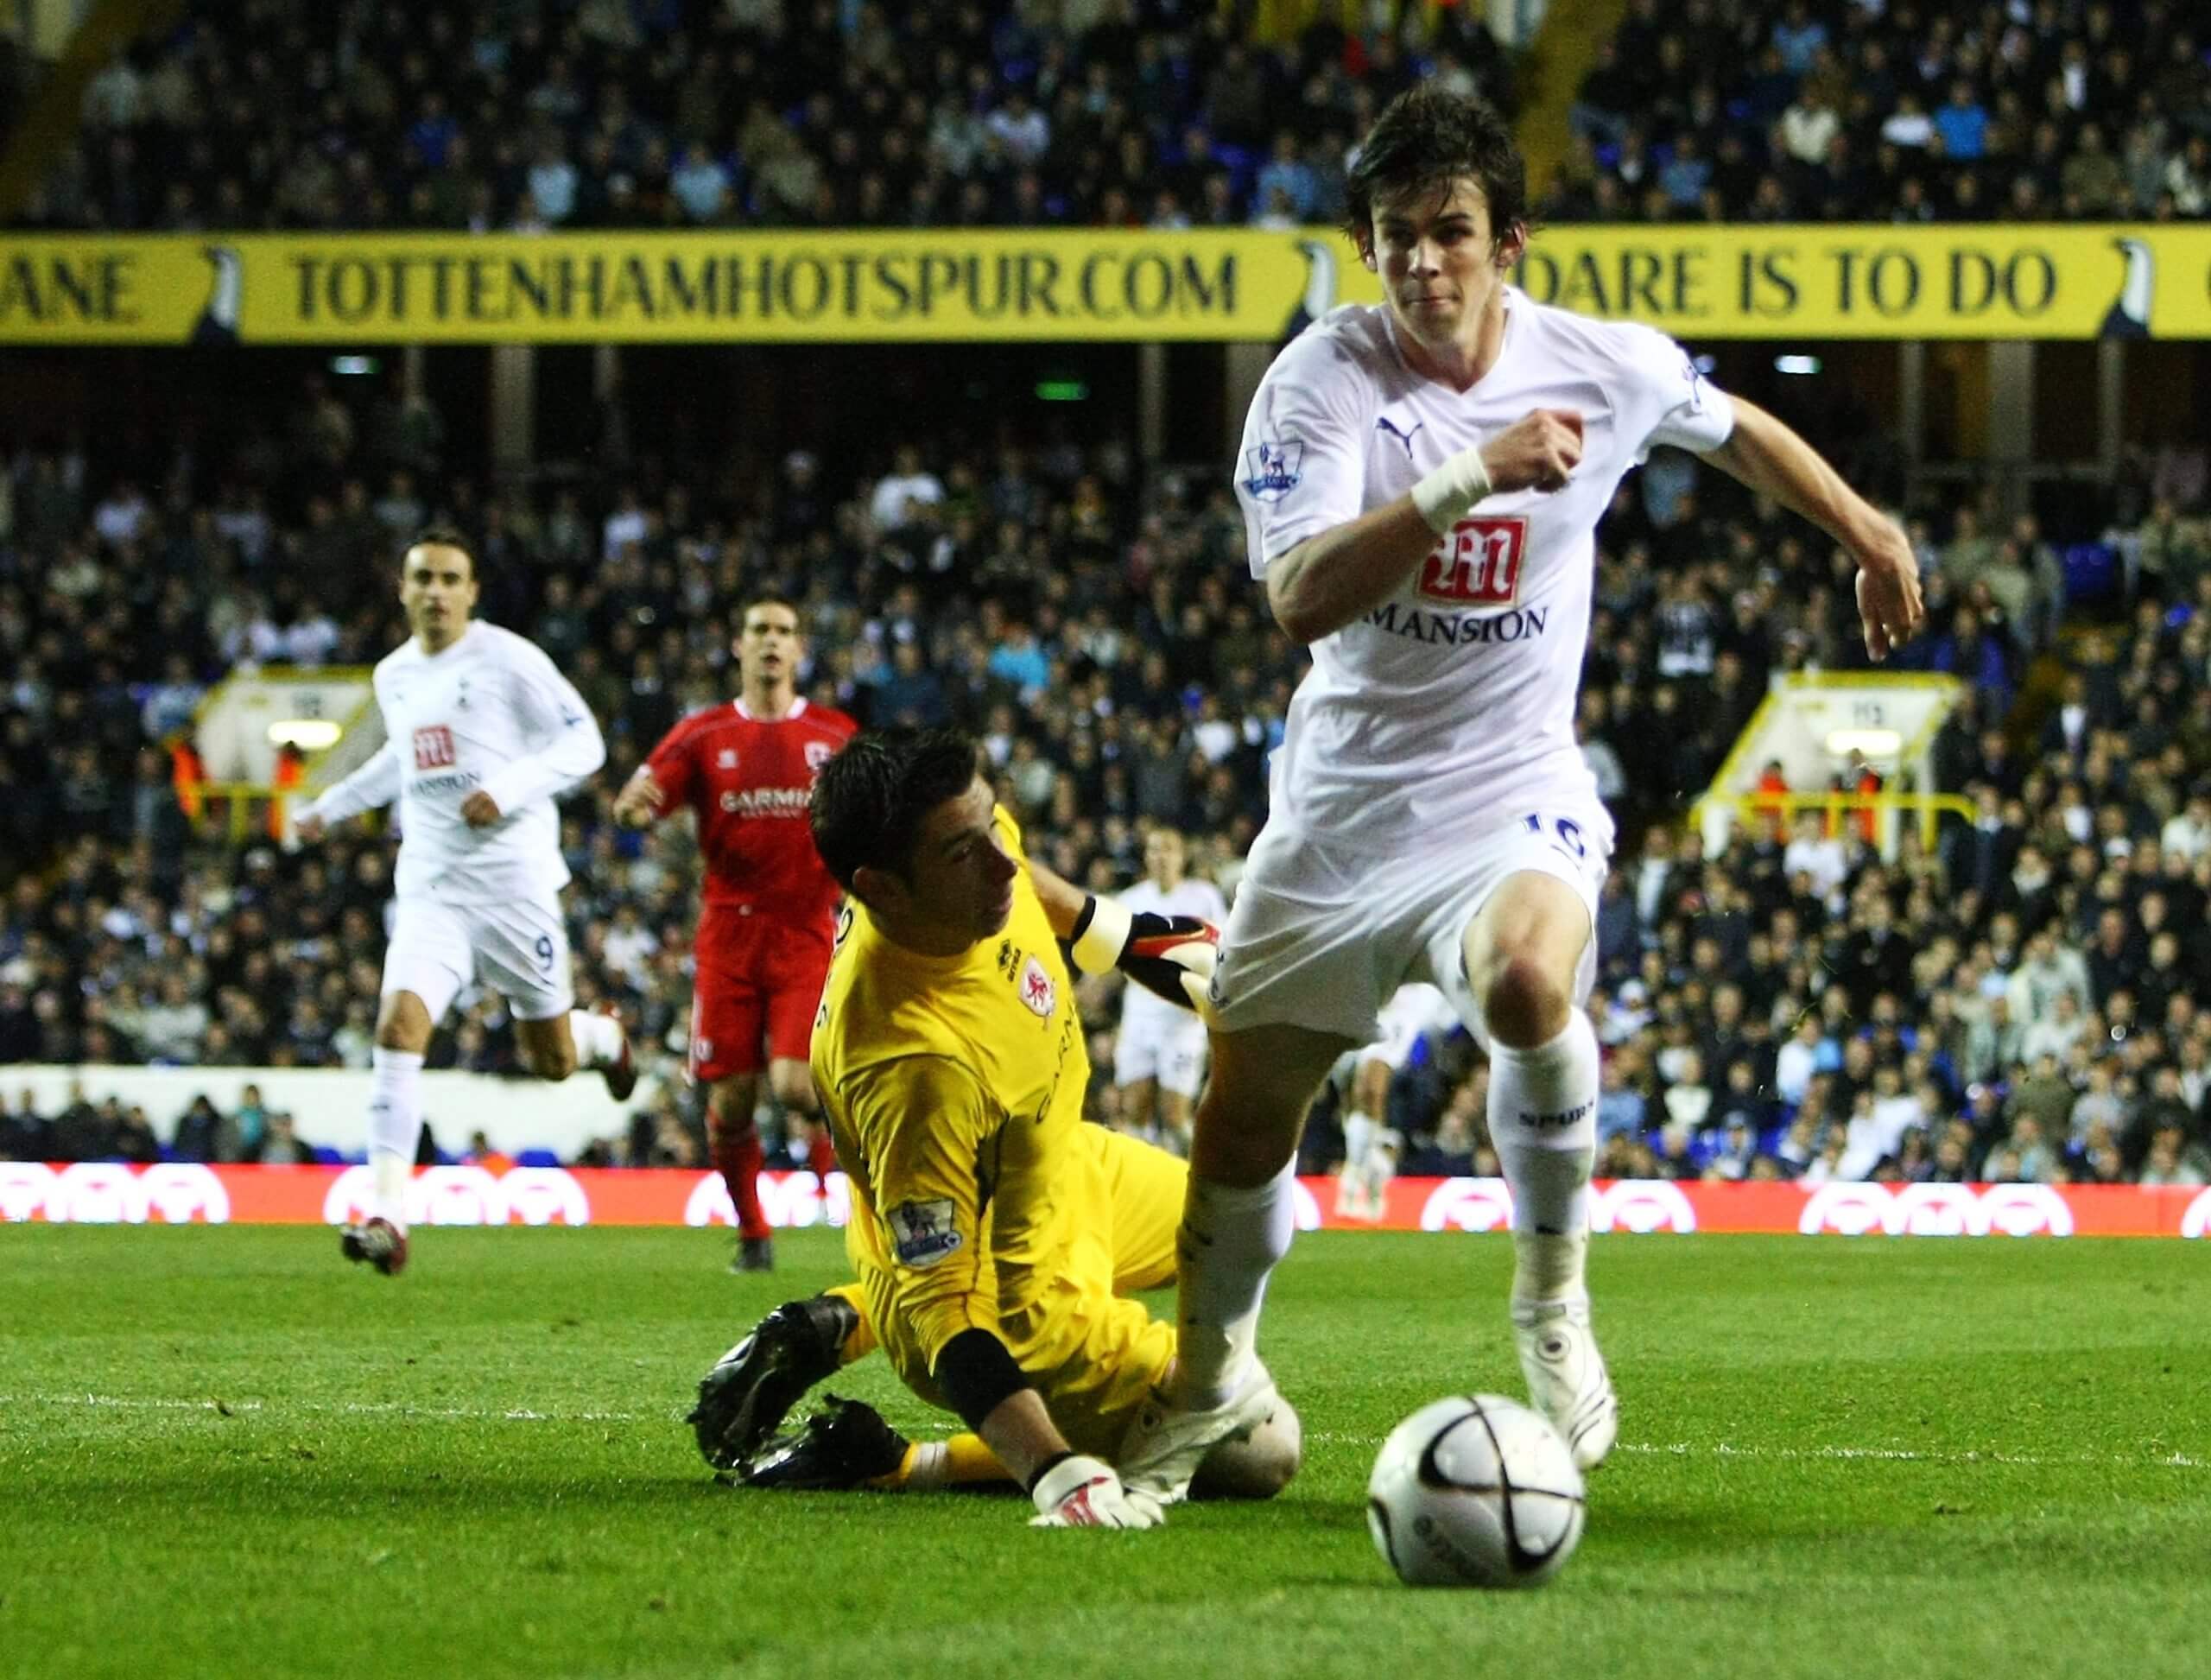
[224,1451]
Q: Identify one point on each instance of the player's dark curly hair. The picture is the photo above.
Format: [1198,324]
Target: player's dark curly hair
[1426,139]
[869,800]
[447,537]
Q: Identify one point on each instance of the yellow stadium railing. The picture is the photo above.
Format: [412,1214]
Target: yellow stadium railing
[1887,812]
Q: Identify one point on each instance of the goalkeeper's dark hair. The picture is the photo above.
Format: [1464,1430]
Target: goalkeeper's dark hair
[1425,140]
[869,800]
[445,537]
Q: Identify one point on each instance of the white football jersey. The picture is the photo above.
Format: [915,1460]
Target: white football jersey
[1448,710]
[490,713]
[1191,895]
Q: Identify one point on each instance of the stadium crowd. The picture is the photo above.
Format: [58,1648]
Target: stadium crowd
[2022,1000]
[1776,110]
[534,114]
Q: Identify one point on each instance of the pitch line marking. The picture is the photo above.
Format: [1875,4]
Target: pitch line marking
[1898,1454]
[2176,1460]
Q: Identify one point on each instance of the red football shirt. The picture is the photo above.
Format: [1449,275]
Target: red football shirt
[749,778]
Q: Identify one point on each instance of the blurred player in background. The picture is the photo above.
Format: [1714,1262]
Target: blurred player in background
[1421,482]
[481,734]
[1159,1054]
[995,1233]
[1372,1146]
[745,770]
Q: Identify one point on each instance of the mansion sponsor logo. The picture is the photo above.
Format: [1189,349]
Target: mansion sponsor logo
[1638,1205]
[1936,1210]
[1459,629]
[109,1193]
[1476,563]
[1641,1205]
[790,1201]
[2196,1221]
[1468,1204]
[467,1196]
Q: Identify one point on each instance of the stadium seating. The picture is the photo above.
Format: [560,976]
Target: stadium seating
[613,114]
[1806,111]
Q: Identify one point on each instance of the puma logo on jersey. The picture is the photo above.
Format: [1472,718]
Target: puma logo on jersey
[1383,423]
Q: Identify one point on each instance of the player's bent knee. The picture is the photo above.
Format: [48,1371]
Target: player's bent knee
[552,1065]
[1524,1003]
[1257,1466]
[793,1088]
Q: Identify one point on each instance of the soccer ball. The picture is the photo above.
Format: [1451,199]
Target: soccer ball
[1475,1491]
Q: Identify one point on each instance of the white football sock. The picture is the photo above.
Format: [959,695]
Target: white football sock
[598,1038]
[1542,1121]
[395,1127]
[1231,1239]
[1358,1138]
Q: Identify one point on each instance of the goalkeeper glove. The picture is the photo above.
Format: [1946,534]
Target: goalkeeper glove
[1171,957]
[1073,1490]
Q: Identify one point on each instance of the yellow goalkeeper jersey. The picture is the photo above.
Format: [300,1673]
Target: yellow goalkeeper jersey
[954,1088]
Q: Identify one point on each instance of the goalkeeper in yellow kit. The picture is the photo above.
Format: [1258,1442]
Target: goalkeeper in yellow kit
[996,1233]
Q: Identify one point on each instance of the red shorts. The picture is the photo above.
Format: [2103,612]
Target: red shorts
[757,983]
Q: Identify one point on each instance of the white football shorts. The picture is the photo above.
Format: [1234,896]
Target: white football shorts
[1169,1046]
[519,948]
[1323,933]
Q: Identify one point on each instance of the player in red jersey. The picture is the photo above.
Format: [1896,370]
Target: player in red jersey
[765,935]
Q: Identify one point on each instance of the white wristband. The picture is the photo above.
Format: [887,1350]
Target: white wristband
[1107,935]
[1445,495]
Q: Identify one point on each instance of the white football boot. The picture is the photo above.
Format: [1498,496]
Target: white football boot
[1165,1443]
[1567,1377]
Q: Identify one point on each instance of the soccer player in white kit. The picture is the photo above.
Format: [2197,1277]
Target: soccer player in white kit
[480,732]
[1159,1054]
[1421,482]
[1365,1076]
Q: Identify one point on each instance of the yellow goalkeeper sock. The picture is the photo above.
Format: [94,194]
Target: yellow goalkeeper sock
[961,1461]
[862,1341]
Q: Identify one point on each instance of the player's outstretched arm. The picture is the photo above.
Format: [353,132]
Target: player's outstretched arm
[1764,453]
[374,785]
[1070,1489]
[1328,580]
[639,805]
[1170,956]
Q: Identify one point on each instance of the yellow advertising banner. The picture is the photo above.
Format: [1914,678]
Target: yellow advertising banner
[1804,282]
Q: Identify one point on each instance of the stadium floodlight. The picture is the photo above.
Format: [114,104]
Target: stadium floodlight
[308,734]
[1795,364]
[1874,742]
[353,365]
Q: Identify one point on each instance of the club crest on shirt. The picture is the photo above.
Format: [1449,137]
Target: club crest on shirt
[922,1232]
[1038,994]
[1476,563]
[819,753]
[1276,469]
[726,758]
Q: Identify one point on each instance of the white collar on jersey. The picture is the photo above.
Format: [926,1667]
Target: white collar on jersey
[798,706]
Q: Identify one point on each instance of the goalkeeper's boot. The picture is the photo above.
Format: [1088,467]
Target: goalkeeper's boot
[1567,1377]
[376,1242]
[753,1387]
[1165,1442]
[846,1445]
